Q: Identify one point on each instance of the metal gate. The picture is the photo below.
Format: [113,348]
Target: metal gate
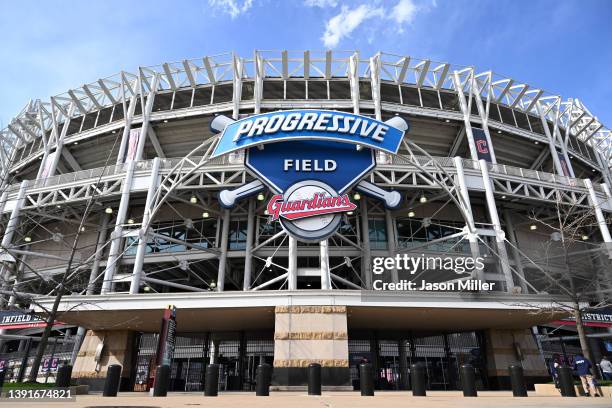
[237,354]
[441,354]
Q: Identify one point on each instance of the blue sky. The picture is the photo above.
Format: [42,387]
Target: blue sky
[564,47]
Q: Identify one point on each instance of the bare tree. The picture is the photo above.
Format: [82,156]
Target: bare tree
[576,269]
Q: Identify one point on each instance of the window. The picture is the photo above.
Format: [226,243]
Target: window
[238,234]
[378,233]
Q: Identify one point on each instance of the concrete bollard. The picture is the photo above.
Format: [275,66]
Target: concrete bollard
[64,376]
[314,379]
[566,381]
[517,379]
[418,374]
[366,379]
[262,380]
[211,381]
[113,378]
[162,380]
[468,380]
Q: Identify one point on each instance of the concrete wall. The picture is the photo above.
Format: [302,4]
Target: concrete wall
[310,334]
[118,349]
[516,346]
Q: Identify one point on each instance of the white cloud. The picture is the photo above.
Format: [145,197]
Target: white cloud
[343,24]
[232,7]
[404,12]
[321,3]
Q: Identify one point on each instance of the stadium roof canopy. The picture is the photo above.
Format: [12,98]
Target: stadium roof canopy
[38,118]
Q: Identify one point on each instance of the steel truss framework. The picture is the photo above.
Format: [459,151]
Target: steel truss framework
[42,127]
[165,179]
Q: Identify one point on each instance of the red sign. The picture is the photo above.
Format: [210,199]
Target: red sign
[319,204]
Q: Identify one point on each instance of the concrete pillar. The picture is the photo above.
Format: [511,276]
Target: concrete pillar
[118,349]
[248,255]
[310,334]
[510,346]
[499,233]
[324,261]
[115,247]
[292,264]
[146,220]
[223,249]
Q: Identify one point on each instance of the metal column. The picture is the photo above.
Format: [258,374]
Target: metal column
[511,235]
[128,123]
[146,116]
[248,255]
[7,238]
[113,255]
[472,236]
[292,264]
[391,242]
[142,235]
[499,233]
[551,143]
[466,111]
[366,255]
[324,261]
[95,267]
[223,256]
[601,220]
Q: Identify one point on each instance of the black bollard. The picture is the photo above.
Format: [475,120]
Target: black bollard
[566,381]
[418,374]
[113,377]
[162,380]
[314,379]
[468,380]
[517,379]
[262,380]
[64,375]
[2,376]
[366,379]
[211,381]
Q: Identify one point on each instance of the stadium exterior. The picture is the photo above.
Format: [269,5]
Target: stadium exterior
[133,153]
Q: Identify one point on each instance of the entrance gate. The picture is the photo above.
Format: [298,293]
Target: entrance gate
[393,354]
[237,354]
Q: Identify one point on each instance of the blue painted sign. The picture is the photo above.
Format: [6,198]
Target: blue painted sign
[309,124]
[338,165]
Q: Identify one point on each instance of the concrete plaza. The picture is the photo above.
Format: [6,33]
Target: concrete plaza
[327,400]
